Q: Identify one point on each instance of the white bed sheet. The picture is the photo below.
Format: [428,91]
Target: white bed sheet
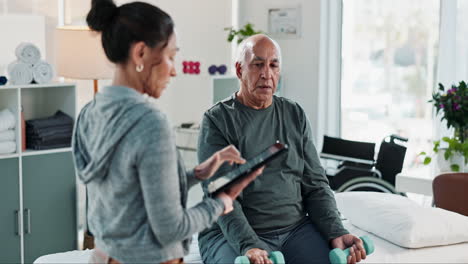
[385,252]
[82,256]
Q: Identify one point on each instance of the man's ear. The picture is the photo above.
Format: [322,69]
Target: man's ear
[137,53]
[238,70]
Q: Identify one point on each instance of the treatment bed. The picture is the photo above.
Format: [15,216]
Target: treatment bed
[437,227]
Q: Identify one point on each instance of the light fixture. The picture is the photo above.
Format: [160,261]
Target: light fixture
[80,55]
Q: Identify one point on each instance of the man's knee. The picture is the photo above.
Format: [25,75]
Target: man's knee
[306,245]
[217,251]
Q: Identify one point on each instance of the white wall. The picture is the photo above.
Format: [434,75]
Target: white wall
[199,27]
[300,56]
[201,37]
[49,9]
[46,8]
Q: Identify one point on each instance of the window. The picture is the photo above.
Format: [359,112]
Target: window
[389,58]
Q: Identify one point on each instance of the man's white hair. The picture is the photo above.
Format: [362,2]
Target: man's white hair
[247,44]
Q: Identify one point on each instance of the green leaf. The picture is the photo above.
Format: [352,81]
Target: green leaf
[462,84]
[455,167]
[447,154]
[465,147]
[441,87]
[436,146]
[242,33]
[427,160]
[422,153]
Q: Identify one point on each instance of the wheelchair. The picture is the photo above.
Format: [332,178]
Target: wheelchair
[357,170]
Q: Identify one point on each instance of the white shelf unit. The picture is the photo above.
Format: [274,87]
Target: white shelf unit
[39,186]
[38,101]
[10,99]
[29,152]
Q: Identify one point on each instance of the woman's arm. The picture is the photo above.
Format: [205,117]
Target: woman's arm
[157,169]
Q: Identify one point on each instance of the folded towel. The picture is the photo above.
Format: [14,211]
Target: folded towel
[7,120]
[49,144]
[28,53]
[58,119]
[47,138]
[7,147]
[49,131]
[42,72]
[8,135]
[20,73]
[53,141]
[44,147]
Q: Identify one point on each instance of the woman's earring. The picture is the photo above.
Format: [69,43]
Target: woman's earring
[139,68]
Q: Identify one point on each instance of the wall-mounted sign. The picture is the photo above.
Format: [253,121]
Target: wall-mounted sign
[284,22]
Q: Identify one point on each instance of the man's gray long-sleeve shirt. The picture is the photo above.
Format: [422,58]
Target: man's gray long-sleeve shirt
[290,186]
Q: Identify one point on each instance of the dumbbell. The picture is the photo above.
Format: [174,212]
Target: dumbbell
[338,255]
[276,257]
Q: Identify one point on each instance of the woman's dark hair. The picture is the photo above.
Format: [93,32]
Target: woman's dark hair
[127,24]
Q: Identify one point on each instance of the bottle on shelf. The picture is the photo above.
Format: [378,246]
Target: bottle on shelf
[23,131]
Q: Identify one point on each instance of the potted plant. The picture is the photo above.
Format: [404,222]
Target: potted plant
[242,33]
[453,105]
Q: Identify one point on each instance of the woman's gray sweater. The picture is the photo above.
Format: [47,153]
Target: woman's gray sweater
[124,151]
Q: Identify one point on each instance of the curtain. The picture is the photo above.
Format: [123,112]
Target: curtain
[453,51]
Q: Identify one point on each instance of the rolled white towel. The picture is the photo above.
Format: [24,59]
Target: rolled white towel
[7,120]
[20,73]
[28,53]
[7,147]
[8,135]
[42,72]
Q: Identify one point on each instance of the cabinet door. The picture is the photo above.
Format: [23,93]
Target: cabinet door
[9,206]
[49,194]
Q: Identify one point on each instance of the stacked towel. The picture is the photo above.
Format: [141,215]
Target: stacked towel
[42,72]
[50,132]
[29,67]
[28,53]
[7,147]
[20,73]
[7,132]
[8,135]
[7,120]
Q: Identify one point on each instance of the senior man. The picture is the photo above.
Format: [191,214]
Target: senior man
[289,208]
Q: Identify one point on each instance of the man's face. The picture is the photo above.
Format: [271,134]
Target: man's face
[260,72]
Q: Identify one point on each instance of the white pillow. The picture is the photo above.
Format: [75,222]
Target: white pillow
[402,221]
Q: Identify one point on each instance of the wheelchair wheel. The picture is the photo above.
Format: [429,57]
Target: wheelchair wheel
[369,184]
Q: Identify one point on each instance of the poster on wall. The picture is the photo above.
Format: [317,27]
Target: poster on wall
[284,22]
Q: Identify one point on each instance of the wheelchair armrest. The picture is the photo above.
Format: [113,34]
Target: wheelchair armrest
[344,158]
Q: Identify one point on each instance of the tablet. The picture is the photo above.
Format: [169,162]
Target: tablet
[223,182]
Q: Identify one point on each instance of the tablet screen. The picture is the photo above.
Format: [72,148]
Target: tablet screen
[243,170]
